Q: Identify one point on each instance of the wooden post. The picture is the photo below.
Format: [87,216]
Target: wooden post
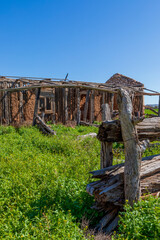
[112,102]
[103,98]
[21,103]
[106,114]
[106,147]
[92,107]
[159,108]
[78,107]
[38,91]
[6,113]
[69,104]
[132,148]
[86,106]
[65,105]
[53,107]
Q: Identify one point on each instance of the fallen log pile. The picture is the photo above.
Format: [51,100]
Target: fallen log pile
[109,190]
[43,127]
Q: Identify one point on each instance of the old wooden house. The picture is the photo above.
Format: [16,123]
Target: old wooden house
[60,104]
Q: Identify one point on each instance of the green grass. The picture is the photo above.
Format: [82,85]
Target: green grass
[147,111]
[43,182]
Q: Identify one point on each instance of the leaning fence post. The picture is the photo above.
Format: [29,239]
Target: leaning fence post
[132,148]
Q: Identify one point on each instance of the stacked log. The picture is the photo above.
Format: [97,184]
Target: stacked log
[110,131]
[109,190]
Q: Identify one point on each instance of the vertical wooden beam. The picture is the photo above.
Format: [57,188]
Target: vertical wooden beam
[78,106]
[106,148]
[106,114]
[69,104]
[112,102]
[65,105]
[159,108]
[21,103]
[86,106]
[53,107]
[62,104]
[38,91]
[132,148]
[103,98]
[92,107]
[6,113]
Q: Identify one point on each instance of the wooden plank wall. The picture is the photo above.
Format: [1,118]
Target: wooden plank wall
[67,104]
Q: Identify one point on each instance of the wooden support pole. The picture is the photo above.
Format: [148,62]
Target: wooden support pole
[69,104]
[86,106]
[6,113]
[159,108]
[53,107]
[38,91]
[103,98]
[106,148]
[21,103]
[92,107]
[65,105]
[112,102]
[78,107]
[132,148]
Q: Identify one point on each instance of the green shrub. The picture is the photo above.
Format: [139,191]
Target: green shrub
[142,221]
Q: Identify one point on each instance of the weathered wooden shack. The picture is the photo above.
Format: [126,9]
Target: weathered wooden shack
[120,80]
[61,104]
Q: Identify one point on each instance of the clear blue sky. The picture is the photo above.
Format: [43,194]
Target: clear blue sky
[89,39]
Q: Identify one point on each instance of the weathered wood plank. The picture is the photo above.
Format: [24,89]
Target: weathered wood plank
[54,107]
[66,105]
[6,112]
[21,102]
[86,106]
[38,91]
[106,147]
[78,107]
[43,127]
[132,148]
[92,107]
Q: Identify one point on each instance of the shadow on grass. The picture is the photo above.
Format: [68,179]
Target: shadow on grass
[79,206]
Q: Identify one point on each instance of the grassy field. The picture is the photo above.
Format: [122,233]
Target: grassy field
[43,181]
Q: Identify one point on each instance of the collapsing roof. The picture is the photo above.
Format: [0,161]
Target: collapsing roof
[121,80]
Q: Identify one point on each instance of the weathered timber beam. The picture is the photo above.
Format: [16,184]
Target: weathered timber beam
[43,127]
[119,168]
[65,105]
[86,106]
[60,85]
[110,131]
[106,147]
[36,106]
[91,113]
[132,149]
[78,107]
